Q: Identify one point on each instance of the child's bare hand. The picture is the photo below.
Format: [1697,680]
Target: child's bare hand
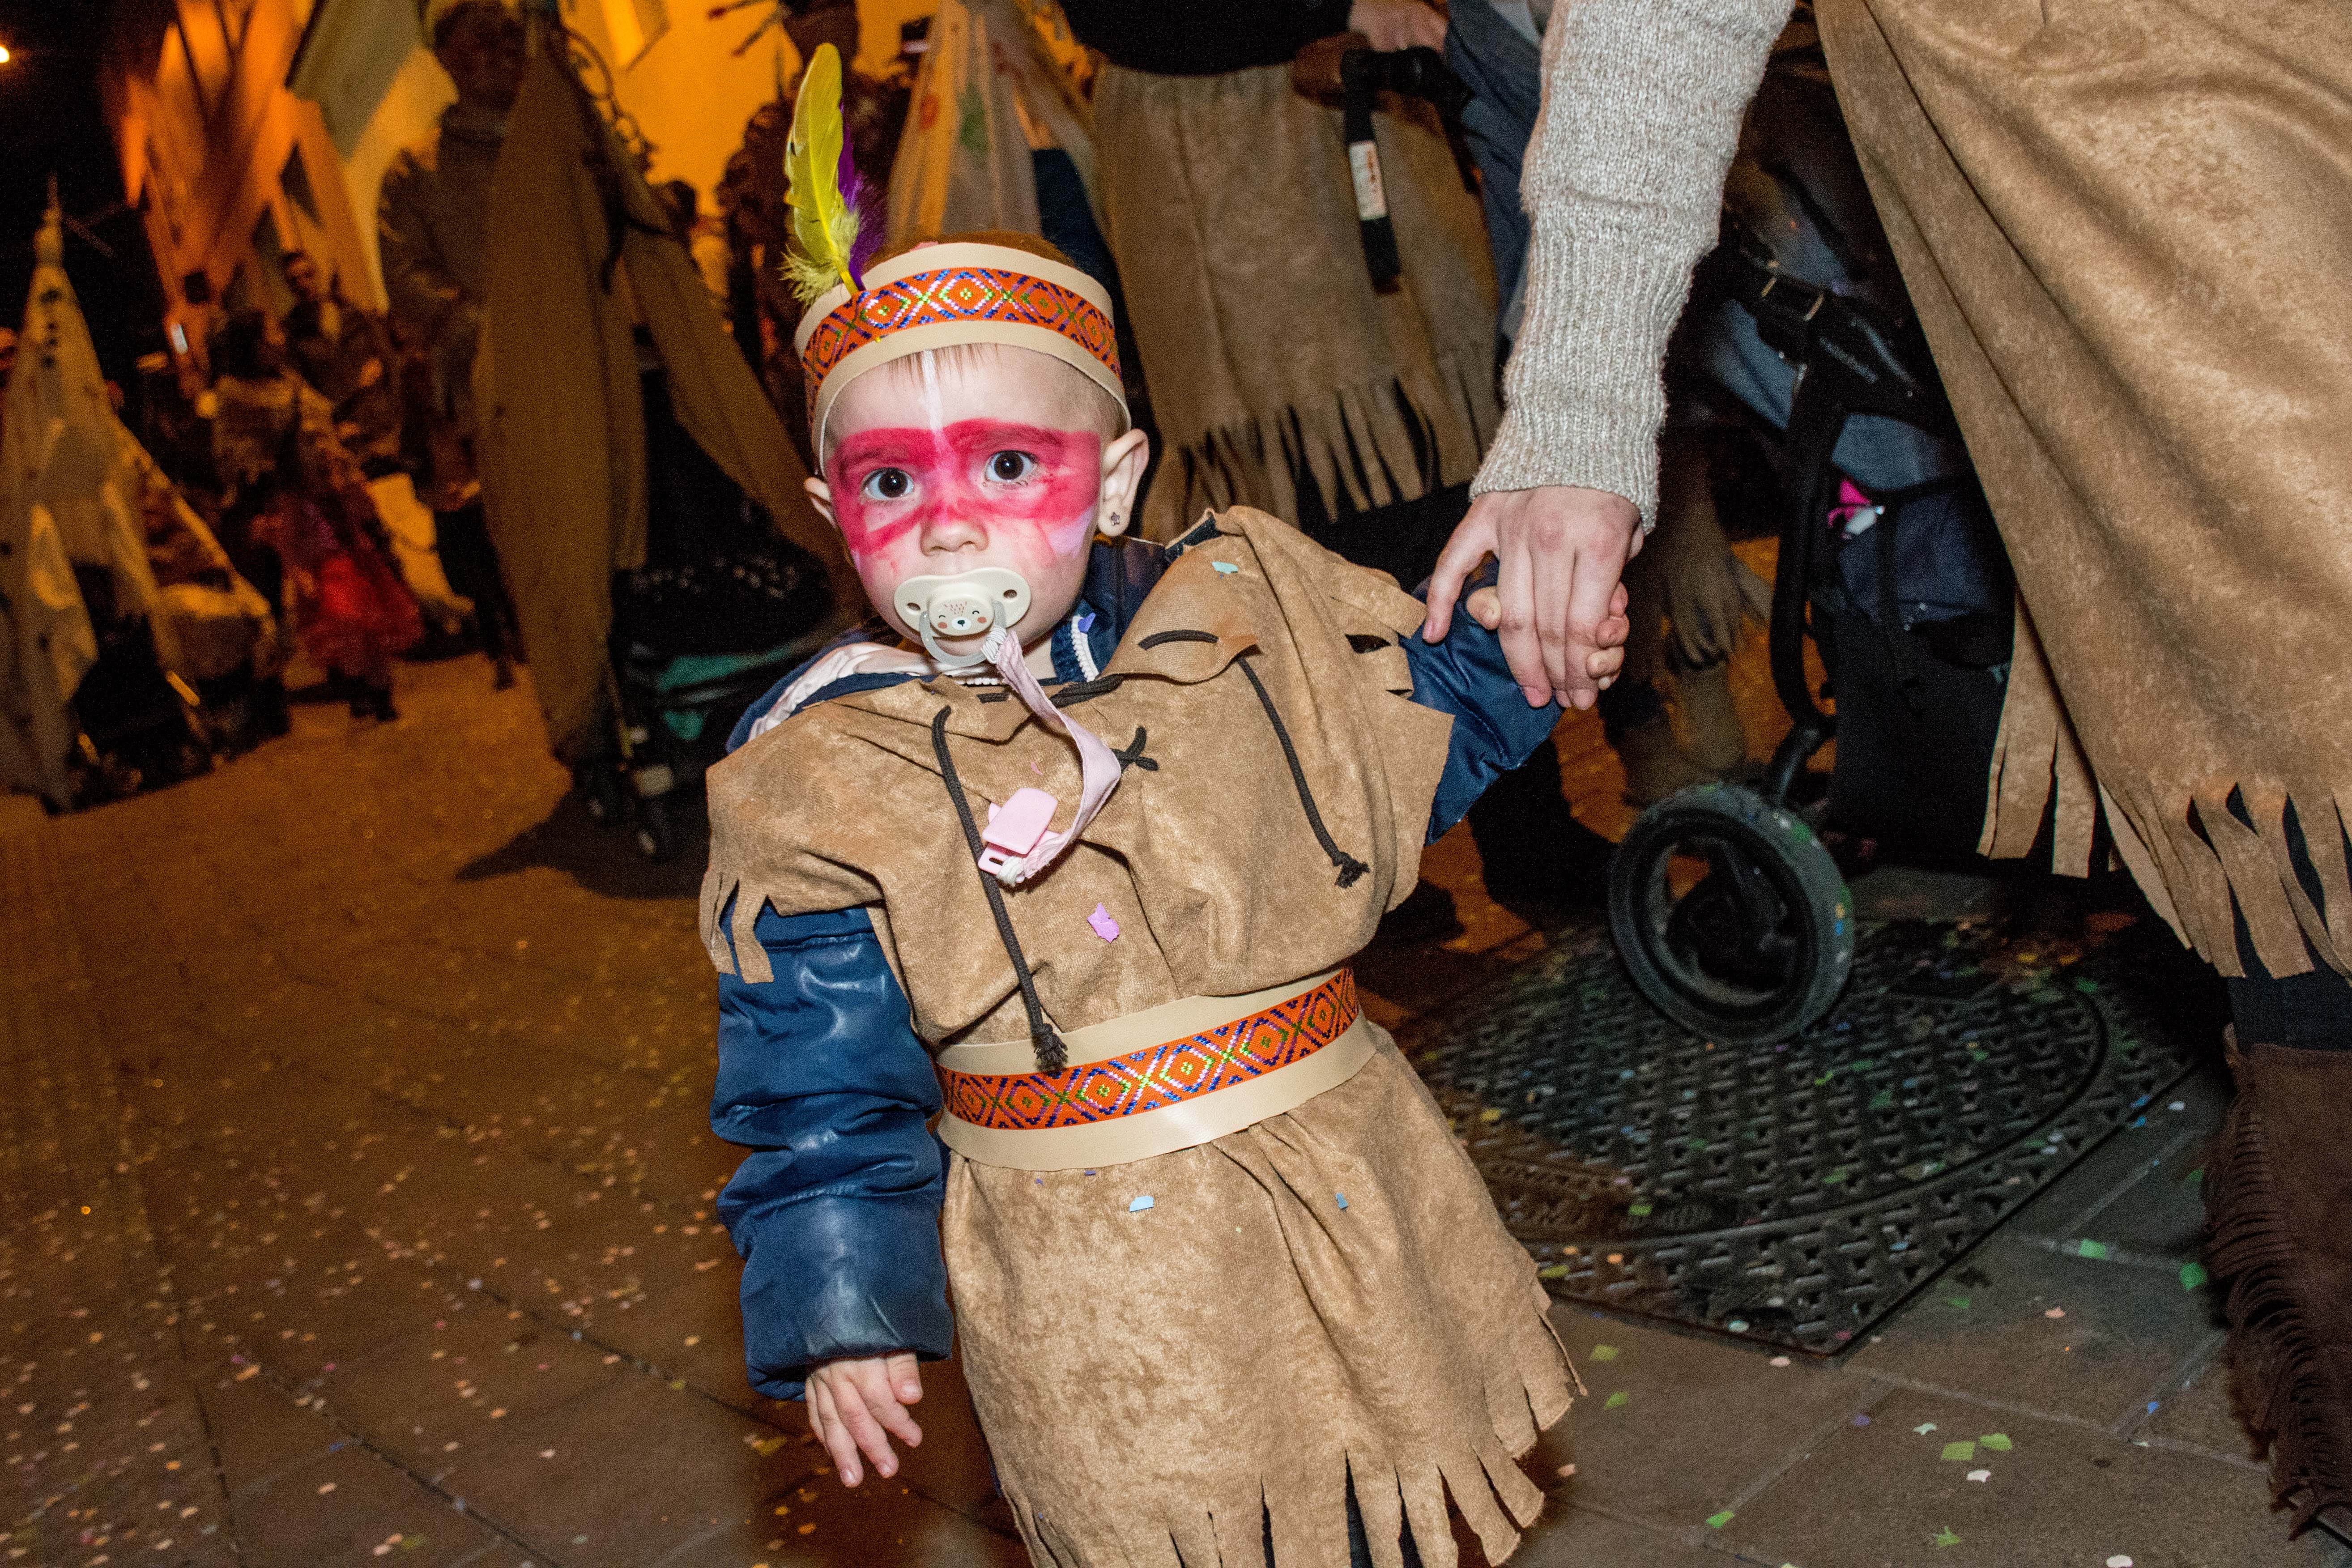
[859,1404]
[1486,607]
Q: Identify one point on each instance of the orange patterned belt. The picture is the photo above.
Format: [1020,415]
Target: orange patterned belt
[1178,1090]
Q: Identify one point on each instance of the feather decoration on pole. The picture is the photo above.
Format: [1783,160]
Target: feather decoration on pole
[833,235]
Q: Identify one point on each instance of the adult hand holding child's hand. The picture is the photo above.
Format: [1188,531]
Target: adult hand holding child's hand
[860,1404]
[1562,550]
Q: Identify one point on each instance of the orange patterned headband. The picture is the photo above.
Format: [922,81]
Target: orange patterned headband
[936,295]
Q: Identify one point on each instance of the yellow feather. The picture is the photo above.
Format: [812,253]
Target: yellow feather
[822,225]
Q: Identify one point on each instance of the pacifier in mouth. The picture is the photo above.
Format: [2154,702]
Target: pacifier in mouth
[967,605]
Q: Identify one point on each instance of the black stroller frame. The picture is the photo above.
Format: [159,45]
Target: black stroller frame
[1761,946]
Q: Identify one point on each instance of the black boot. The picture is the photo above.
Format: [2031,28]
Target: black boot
[1540,861]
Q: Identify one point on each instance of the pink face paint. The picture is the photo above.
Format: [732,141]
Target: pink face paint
[995,491]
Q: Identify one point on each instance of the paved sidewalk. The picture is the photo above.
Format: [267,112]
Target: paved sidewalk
[360,1209]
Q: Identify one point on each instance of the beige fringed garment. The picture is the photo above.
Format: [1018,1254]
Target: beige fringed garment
[2127,227]
[1157,1384]
[1266,350]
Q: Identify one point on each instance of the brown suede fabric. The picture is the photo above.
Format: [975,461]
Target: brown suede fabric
[1164,1380]
[2127,228]
[2278,1187]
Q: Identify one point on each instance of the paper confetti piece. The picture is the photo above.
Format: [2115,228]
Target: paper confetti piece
[1947,1537]
[2192,1277]
[1085,623]
[1779,1361]
[766,1447]
[1568,1469]
[1342,1198]
[1959,1453]
[1862,1420]
[1924,1427]
[1604,1352]
[1979,1475]
[1617,1401]
[1224,568]
[2055,1312]
[1995,1442]
[1141,1202]
[2119,1561]
[2091,1248]
[1105,926]
[1956,1303]
[1717,1520]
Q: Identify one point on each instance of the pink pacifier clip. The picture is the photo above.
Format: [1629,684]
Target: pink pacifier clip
[1019,844]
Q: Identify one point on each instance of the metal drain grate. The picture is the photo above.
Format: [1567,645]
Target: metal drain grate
[1793,1193]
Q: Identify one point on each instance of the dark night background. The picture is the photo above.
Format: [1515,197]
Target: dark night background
[50,122]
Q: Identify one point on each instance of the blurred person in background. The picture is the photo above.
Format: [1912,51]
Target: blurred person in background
[298,494]
[431,223]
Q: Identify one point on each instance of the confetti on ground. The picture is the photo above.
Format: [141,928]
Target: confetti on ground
[1617,1401]
[1947,1537]
[1862,1420]
[1924,1427]
[1717,1520]
[1342,1198]
[1995,1442]
[1568,1469]
[2091,1248]
[1959,1453]
[1979,1475]
[1141,1202]
[1956,1303]
[1224,568]
[1779,1361]
[2055,1312]
[2192,1277]
[1738,1325]
[2119,1561]
[1604,1352]
[1105,926]
[2178,1105]
[326,1487]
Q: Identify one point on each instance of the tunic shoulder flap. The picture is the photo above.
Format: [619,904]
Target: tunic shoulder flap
[1276,785]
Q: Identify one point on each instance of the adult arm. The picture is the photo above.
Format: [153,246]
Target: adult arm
[429,308]
[1643,101]
[836,1213]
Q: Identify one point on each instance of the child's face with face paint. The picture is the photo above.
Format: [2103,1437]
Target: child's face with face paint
[992,457]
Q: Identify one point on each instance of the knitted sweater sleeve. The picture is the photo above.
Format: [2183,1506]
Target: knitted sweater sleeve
[1642,105]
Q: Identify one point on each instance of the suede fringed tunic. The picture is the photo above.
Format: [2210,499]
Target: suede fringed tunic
[1175,1357]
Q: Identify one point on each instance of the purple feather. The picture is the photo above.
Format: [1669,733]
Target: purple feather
[856,196]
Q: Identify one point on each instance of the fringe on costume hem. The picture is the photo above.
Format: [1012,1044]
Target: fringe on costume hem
[1303,1513]
[1362,447]
[2275,1352]
[2189,853]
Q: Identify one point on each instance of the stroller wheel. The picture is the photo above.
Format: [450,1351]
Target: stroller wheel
[657,837]
[1731,915]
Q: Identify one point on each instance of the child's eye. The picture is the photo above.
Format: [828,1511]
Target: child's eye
[1010,467]
[888,484]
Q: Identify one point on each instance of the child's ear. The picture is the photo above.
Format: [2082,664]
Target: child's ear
[1123,462]
[820,496]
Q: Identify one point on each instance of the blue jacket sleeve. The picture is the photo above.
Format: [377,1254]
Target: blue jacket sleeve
[835,1213]
[1494,731]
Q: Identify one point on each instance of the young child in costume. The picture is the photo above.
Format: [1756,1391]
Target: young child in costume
[1083,877]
